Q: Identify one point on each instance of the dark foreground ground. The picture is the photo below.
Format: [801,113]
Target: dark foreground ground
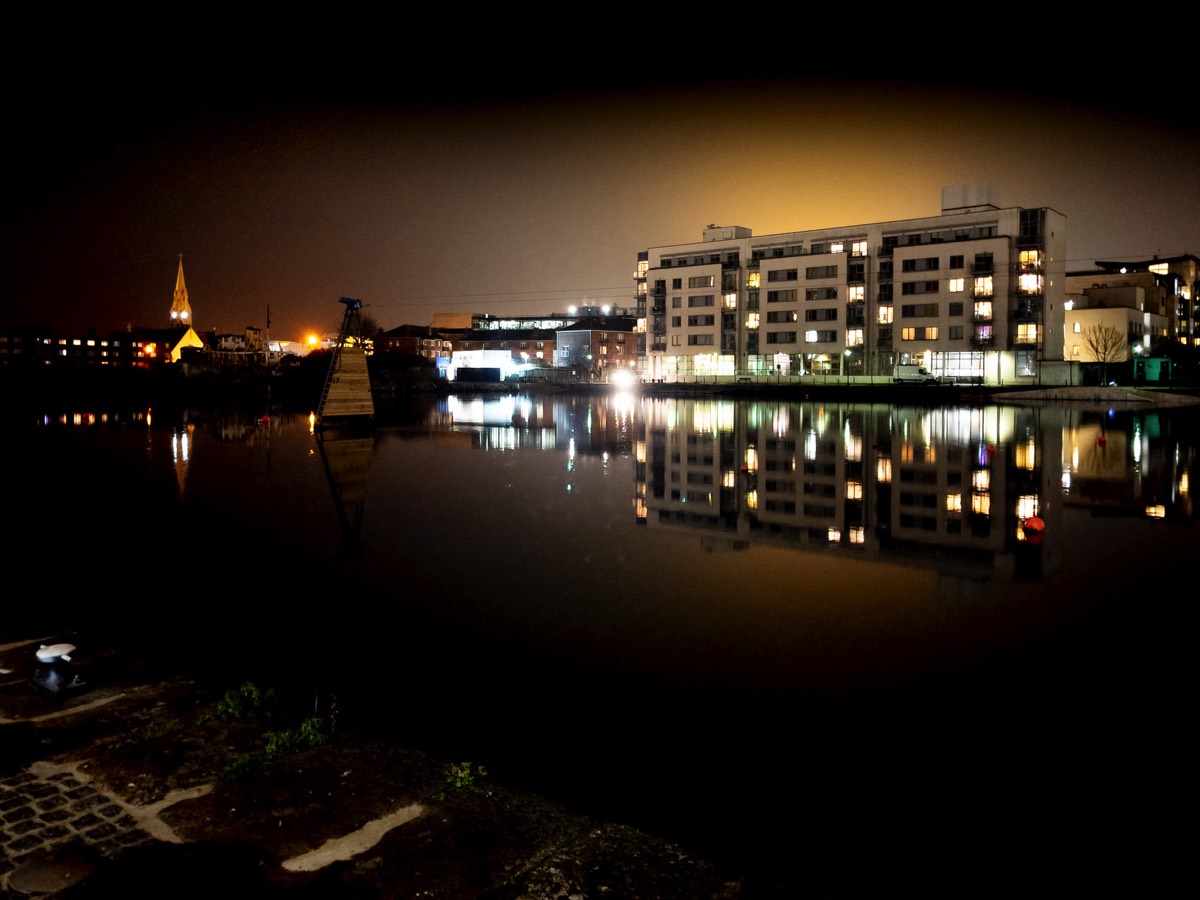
[149,783]
[138,741]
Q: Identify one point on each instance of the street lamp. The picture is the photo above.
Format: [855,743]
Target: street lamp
[846,364]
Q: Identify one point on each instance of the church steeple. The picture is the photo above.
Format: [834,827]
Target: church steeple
[181,309]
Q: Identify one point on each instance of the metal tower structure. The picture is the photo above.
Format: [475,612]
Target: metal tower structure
[347,396]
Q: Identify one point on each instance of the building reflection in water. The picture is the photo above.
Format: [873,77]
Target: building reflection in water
[952,488]
[1134,465]
[961,489]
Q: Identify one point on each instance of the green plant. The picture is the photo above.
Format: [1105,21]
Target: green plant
[311,733]
[242,702]
[461,775]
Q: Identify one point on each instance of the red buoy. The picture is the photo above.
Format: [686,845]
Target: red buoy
[1034,527]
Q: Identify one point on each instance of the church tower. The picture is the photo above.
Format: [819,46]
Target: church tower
[181,309]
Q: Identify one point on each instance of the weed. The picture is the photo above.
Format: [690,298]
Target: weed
[311,733]
[243,702]
[461,775]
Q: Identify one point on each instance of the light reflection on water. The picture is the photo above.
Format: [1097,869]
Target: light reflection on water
[680,612]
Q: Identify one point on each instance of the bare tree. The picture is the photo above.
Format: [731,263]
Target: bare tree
[1106,344]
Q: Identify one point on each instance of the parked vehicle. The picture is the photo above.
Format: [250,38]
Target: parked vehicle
[913,375]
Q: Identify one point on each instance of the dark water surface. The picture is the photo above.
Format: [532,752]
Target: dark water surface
[823,638]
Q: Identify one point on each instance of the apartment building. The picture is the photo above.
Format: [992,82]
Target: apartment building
[974,294]
[1151,302]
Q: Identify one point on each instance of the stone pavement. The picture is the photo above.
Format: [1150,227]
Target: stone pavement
[47,808]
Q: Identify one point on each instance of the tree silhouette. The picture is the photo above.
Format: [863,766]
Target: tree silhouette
[1106,344]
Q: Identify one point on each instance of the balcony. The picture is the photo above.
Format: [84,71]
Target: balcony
[1027,311]
[983,343]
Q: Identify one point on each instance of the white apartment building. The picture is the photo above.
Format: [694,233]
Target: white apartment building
[975,294]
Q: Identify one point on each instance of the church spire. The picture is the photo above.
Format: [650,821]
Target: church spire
[181,309]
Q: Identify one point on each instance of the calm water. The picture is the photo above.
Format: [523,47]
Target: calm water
[823,637]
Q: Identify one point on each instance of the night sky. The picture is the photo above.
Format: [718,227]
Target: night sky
[521,190]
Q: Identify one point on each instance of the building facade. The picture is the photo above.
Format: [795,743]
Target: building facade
[1114,322]
[598,345]
[416,340]
[974,294]
[1154,300]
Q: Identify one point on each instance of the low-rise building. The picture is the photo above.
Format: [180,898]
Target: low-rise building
[598,345]
[1157,295]
[416,340]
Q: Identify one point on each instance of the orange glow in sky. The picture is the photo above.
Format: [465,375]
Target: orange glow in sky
[529,201]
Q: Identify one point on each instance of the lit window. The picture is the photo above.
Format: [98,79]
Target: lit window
[957,285]
[954,502]
[1027,333]
[752,320]
[1026,454]
[981,504]
[883,470]
[854,445]
[854,337]
[1030,283]
[1074,349]
[885,315]
[1027,506]
[858,248]
[856,293]
[983,309]
[983,286]
[981,479]
[854,490]
[858,535]
[1031,257]
[837,247]
[731,301]
[753,280]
